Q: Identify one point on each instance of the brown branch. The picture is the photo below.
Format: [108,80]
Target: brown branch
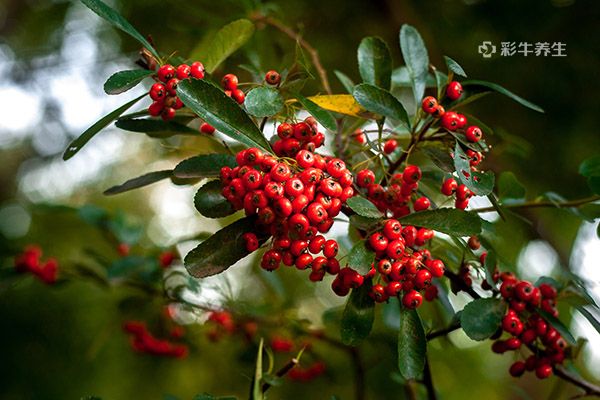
[443,332]
[314,54]
[414,141]
[428,381]
[590,388]
[281,372]
[540,204]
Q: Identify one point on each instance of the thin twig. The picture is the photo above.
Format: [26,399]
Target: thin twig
[281,372]
[428,381]
[443,332]
[547,203]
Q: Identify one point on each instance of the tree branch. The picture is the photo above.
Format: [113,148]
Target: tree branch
[540,204]
[428,381]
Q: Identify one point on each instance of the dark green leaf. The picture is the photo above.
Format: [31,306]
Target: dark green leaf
[154,127]
[401,78]
[451,221]
[559,326]
[590,167]
[590,210]
[263,102]
[499,89]
[117,20]
[479,183]
[358,316]
[210,202]
[140,181]
[454,67]
[86,136]
[363,207]
[590,317]
[223,43]
[375,62]
[323,116]
[221,250]
[440,156]
[509,187]
[380,101]
[412,344]
[221,111]
[345,80]
[204,166]
[416,59]
[361,258]
[481,318]
[364,223]
[124,80]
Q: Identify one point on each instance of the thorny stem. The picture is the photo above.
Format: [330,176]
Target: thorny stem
[281,372]
[546,203]
[314,54]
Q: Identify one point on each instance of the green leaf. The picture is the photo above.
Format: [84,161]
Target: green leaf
[221,111]
[590,167]
[345,80]
[155,127]
[361,258]
[375,62]
[358,315]
[364,223]
[594,184]
[223,43]
[140,181]
[499,89]
[323,116]
[479,183]
[481,318]
[590,317]
[363,207]
[117,20]
[263,102]
[204,166]
[416,59]
[257,393]
[221,250]
[124,80]
[454,67]
[210,202]
[439,155]
[401,78]
[451,221]
[559,326]
[412,344]
[380,101]
[86,136]
[509,187]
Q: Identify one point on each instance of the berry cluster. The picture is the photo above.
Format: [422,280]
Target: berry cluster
[230,85]
[461,192]
[144,342]
[30,261]
[223,324]
[164,92]
[294,199]
[526,326]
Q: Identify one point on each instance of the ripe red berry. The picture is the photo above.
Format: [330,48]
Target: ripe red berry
[422,279]
[449,187]
[378,293]
[517,369]
[389,146]
[168,113]
[395,249]
[184,71]
[463,192]
[197,70]
[411,174]
[172,86]
[436,267]
[238,95]
[422,203]
[439,111]
[251,241]
[512,325]
[429,104]
[158,91]
[155,108]
[230,82]
[548,291]
[166,73]
[454,90]
[272,77]
[431,293]
[474,243]
[450,120]
[365,178]
[412,299]
[543,371]
[392,229]
[285,130]
[473,133]
[330,248]
[524,290]
[461,121]
[513,343]
[378,241]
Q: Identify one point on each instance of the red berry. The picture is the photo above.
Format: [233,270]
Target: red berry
[156,108]
[411,174]
[422,279]
[473,134]
[543,371]
[172,86]
[513,343]
[389,146]
[461,121]
[251,241]
[412,299]
[450,120]
[548,291]
[454,90]
[524,290]
[365,178]
[330,248]
[517,369]
[285,130]
[197,70]
[238,95]
[449,187]
[429,104]
[230,82]
[436,267]
[392,229]
[166,73]
[378,242]
[184,71]
[378,293]
[431,293]
[168,113]
[158,91]
[463,192]
[439,111]
[272,77]
[422,203]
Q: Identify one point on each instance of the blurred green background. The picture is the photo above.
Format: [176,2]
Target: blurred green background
[64,343]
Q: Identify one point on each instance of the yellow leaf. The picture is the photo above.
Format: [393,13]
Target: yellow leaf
[341,103]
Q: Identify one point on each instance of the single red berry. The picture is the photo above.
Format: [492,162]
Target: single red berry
[431,293]
[378,241]
[271,260]
[548,291]
[251,241]
[272,77]
[422,279]
[238,95]
[184,71]
[411,174]
[439,111]
[305,158]
[158,91]
[285,130]
[422,203]
[512,325]
[463,192]
[365,178]
[517,369]
[302,131]
[392,229]
[123,249]
[304,261]
[197,70]
[449,187]
[436,267]
[461,121]
[156,108]
[330,248]
[389,146]
[543,371]
[412,299]
[166,73]
[429,104]
[378,293]
[454,90]
[524,290]
[172,86]
[473,134]
[474,243]
[168,113]
[450,121]
[230,82]
[513,343]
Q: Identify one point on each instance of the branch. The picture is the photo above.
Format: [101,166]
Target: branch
[443,332]
[546,203]
[590,388]
[281,372]
[461,284]
[314,54]
[428,381]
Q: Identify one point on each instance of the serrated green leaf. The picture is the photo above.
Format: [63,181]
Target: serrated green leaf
[363,207]
[221,250]
[111,15]
[263,102]
[380,101]
[416,59]
[204,166]
[122,81]
[210,202]
[509,187]
[221,111]
[86,136]
[499,89]
[451,221]
[345,80]
[559,326]
[323,116]
[358,315]
[140,181]
[479,183]
[360,258]
[412,344]
[481,318]
[375,62]
[454,67]
[223,43]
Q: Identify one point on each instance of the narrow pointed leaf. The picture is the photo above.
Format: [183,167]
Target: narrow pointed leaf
[450,221]
[345,80]
[380,101]
[361,258]
[358,315]
[210,202]
[499,89]
[454,67]
[590,317]
[86,136]
[122,81]
[139,182]
[222,112]
[204,166]
[401,78]
[412,344]
[416,58]
[111,15]
[263,102]
[155,127]
[323,116]
[257,393]
[481,318]
[363,207]
[375,62]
